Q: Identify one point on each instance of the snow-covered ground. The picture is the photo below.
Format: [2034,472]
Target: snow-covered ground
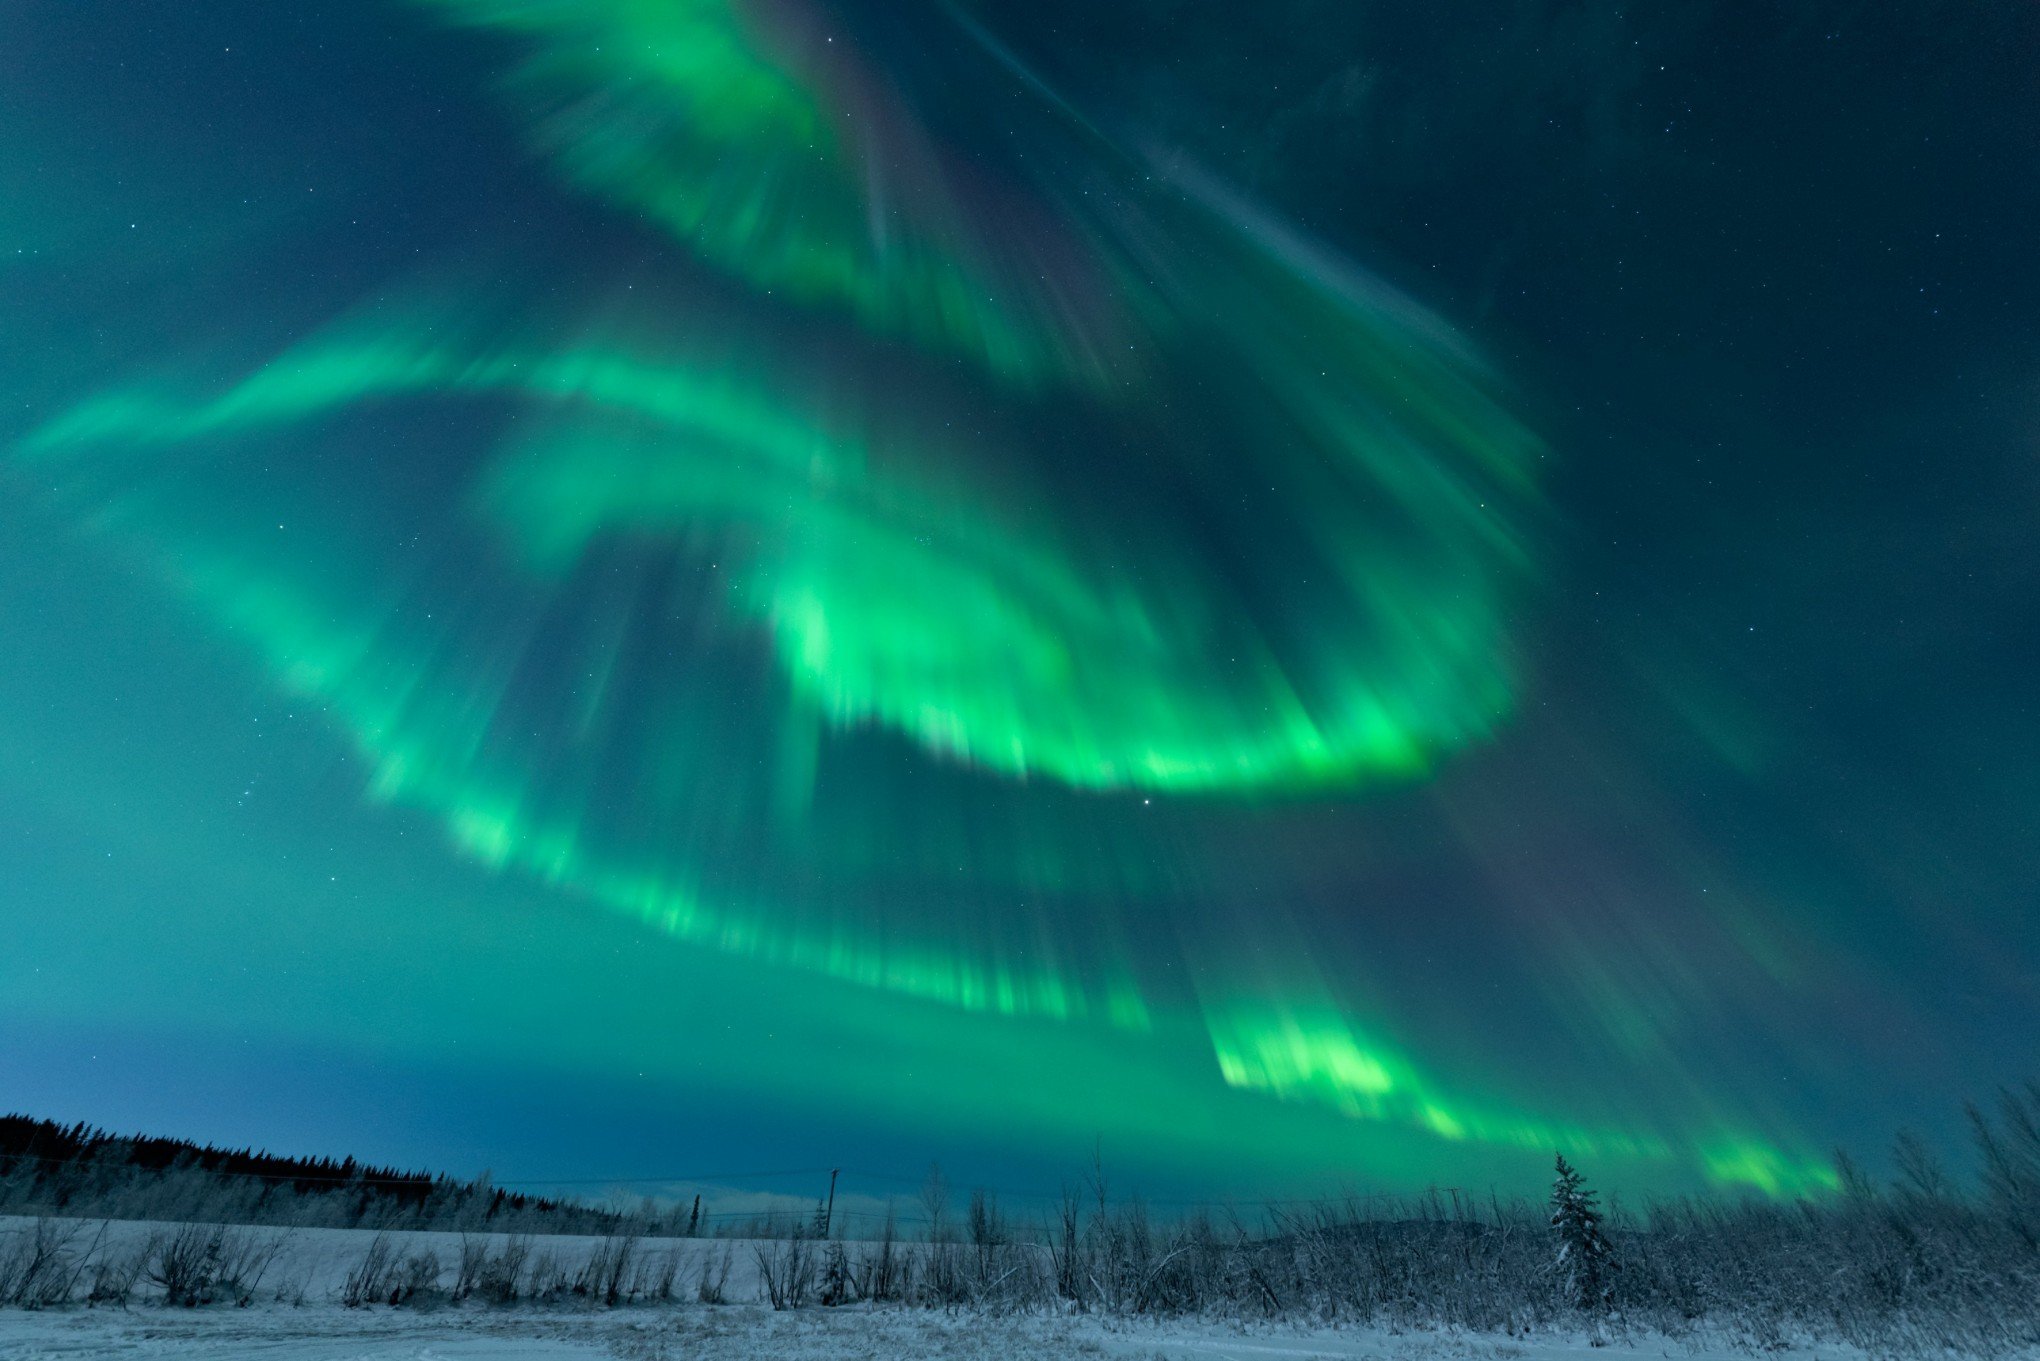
[688,1332]
[310,1266]
[295,1312]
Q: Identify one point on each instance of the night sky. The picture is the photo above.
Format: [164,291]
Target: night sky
[1296,595]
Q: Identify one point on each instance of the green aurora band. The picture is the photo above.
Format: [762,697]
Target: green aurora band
[940,608]
[1044,574]
[775,155]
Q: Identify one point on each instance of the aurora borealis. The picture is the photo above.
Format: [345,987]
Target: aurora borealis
[1301,599]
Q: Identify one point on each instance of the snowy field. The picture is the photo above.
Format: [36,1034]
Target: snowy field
[295,1310]
[683,1332]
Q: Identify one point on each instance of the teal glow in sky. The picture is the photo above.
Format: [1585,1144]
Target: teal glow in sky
[968,585]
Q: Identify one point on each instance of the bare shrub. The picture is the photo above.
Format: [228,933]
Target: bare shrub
[652,1275]
[1064,1260]
[244,1259]
[602,1277]
[497,1278]
[786,1268]
[713,1285]
[942,1279]
[185,1263]
[371,1278]
[467,1271]
[199,1264]
[114,1276]
[879,1272]
[418,1279]
[385,1275]
[41,1266]
[291,1290]
[549,1280]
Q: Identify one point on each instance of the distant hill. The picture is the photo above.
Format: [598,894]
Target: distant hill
[83,1170]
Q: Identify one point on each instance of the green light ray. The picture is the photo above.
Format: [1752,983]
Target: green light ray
[768,149]
[898,588]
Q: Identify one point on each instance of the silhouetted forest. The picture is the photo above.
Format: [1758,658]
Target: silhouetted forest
[83,1171]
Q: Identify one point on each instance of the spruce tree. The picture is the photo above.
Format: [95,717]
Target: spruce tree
[836,1276]
[1586,1260]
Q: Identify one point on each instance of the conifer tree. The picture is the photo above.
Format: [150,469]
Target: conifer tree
[1586,1260]
[836,1276]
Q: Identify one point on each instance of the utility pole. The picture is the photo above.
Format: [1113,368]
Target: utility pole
[829,1215]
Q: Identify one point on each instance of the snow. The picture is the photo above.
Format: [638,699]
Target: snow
[296,1316]
[326,1332]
